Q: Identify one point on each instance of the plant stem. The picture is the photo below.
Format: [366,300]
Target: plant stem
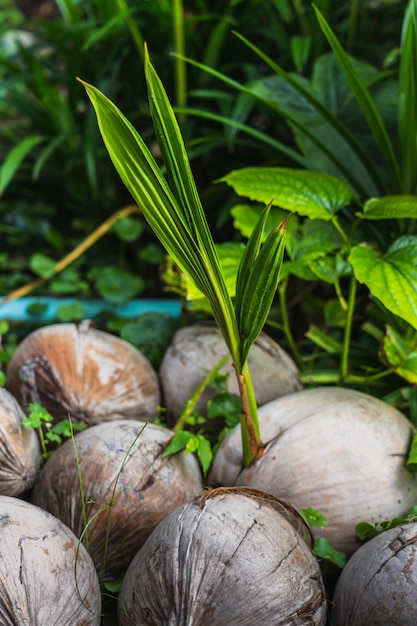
[252,447]
[192,401]
[344,364]
[180,67]
[134,30]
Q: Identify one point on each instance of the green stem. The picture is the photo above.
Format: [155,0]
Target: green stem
[252,446]
[344,364]
[134,30]
[192,401]
[180,67]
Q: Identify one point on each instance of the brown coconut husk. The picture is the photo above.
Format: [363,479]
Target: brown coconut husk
[78,371]
[229,556]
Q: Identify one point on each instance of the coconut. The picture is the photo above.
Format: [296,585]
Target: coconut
[91,375]
[197,349]
[378,585]
[127,487]
[229,556]
[46,576]
[19,449]
[337,450]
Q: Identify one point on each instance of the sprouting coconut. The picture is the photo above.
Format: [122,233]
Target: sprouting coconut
[117,471]
[229,556]
[19,449]
[46,576]
[378,585]
[91,375]
[337,450]
[197,349]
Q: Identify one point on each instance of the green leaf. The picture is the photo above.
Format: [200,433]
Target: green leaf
[246,216]
[230,255]
[400,354]
[311,194]
[128,228]
[225,406]
[176,218]
[390,207]
[411,462]
[330,269]
[72,312]
[117,285]
[364,100]
[407,100]
[178,442]
[256,286]
[324,550]
[42,265]
[366,530]
[313,517]
[390,277]
[311,239]
[204,453]
[323,340]
[14,159]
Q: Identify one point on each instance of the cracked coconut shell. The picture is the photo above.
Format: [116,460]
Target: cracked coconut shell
[229,556]
[339,451]
[19,449]
[378,586]
[91,375]
[128,486]
[46,576]
[197,349]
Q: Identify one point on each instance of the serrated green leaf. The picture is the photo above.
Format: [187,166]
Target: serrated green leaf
[310,239]
[390,277]
[311,194]
[390,207]
[329,269]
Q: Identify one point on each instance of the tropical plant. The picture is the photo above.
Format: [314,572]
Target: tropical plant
[354,204]
[173,209]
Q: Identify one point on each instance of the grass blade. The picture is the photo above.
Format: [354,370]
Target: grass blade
[407,100]
[365,102]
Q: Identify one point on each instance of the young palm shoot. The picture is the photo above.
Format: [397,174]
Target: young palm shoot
[172,207]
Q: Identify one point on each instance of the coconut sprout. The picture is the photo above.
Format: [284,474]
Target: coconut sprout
[197,349]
